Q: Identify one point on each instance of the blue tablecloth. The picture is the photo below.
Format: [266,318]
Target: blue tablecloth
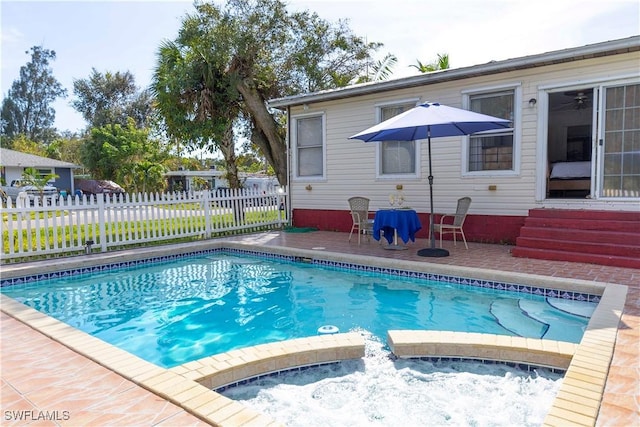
[403,221]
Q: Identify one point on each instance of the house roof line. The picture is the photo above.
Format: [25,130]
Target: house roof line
[12,158]
[607,48]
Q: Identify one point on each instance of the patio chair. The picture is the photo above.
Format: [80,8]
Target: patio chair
[458,221]
[362,224]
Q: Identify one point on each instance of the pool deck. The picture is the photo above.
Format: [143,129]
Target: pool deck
[42,378]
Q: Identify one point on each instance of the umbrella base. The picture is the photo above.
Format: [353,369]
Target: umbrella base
[433,252]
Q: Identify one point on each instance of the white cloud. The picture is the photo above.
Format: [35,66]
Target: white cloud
[475,32]
[10,35]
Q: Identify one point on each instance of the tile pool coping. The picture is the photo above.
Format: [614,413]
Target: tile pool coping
[577,402]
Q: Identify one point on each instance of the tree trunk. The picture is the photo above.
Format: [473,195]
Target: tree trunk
[267,134]
[227,148]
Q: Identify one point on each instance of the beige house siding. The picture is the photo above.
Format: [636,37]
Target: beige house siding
[351,164]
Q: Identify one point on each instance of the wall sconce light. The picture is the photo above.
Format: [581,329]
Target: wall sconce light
[532,102]
[308,187]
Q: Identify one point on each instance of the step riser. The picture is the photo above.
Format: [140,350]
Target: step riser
[581,247]
[589,236]
[576,257]
[585,214]
[581,224]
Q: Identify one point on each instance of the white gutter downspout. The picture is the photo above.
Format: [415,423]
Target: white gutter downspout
[288,148]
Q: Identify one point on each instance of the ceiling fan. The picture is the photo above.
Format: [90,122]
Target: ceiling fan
[580,99]
[570,101]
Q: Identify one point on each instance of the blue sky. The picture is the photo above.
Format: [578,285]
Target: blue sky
[125,35]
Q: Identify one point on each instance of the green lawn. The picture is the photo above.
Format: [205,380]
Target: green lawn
[151,232]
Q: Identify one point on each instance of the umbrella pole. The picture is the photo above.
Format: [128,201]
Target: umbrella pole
[431,251]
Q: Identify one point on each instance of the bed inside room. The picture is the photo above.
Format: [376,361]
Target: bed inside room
[567,179]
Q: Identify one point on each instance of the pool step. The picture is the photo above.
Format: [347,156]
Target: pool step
[544,312]
[577,308]
[511,317]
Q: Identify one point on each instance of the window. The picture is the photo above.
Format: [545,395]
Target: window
[309,143]
[492,150]
[397,157]
[41,173]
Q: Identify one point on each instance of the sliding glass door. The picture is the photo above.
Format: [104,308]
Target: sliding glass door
[619,146]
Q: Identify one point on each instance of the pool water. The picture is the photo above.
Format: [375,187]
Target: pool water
[379,391]
[173,313]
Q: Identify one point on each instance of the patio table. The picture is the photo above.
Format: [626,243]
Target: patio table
[394,223]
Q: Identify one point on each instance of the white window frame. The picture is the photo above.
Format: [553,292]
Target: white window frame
[42,172]
[517,130]
[294,141]
[405,176]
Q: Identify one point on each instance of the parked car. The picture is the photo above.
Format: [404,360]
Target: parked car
[49,193]
[98,186]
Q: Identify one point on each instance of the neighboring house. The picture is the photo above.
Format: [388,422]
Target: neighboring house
[184,180]
[13,163]
[577,107]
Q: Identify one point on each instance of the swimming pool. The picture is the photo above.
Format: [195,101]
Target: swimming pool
[172,313]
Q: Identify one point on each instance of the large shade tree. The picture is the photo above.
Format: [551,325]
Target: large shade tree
[67,147]
[127,155]
[27,109]
[227,61]
[111,98]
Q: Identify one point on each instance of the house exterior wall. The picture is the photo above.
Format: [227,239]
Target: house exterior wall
[12,173]
[495,214]
[63,182]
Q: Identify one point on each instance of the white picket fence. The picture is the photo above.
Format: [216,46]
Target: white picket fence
[84,224]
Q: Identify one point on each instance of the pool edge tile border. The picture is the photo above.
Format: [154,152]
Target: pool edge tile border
[15,275]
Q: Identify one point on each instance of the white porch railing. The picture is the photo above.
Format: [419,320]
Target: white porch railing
[97,224]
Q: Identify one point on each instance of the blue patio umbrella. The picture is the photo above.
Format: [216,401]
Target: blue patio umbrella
[426,121]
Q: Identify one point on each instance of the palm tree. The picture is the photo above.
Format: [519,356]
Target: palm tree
[150,175]
[196,100]
[441,64]
[30,176]
[380,71]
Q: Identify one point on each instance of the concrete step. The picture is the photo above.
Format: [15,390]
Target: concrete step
[583,224]
[593,215]
[598,237]
[590,236]
[632,251]
[554,255]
